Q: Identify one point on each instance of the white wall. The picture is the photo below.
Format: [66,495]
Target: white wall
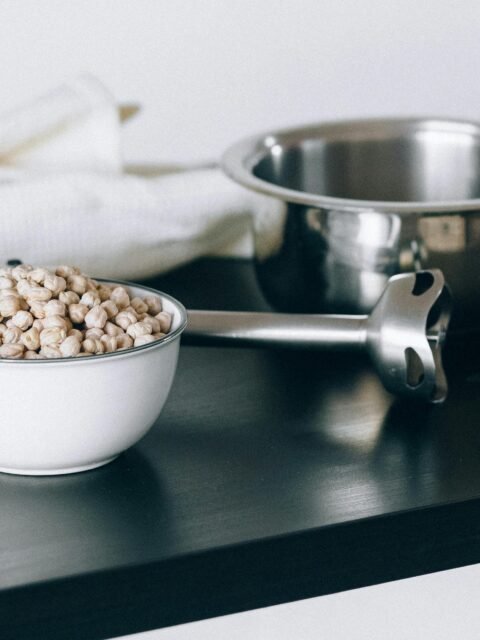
[210,71]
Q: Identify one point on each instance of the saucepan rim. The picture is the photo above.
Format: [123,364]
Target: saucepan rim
[240,159]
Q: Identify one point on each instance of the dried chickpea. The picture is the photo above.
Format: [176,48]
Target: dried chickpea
[99,346]
[111,308]
[144,339]
[154,304]
[55,308]
[104,292]
[124,319]
[21,271]
[130,309]
[38,324]
[6,282]
[88,345]
[13,335]
[139,329]
[124,342]
[65,271]
[77,312]
[31,339]
[23,287]
[37,308]
[70,347]
[38,275]
[109,343]
[91,284]
[76,333]
[51,351]
[153,322]
[94,332]
[77,283]
[93,345]
[9,306]
[23,320]
[69,297]
[112,329]
[56,284]
[55,321]
[36,292]
[139,305]
[32,355]
[10,293]
[53,335]
[90,298]
[165,319]
[12,350]
[96,317]
[120,297]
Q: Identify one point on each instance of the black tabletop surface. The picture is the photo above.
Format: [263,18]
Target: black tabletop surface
[270,476]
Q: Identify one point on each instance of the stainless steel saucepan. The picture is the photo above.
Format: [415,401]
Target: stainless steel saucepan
[364,200]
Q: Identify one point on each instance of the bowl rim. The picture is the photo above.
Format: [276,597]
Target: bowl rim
[130,351]
[239,160]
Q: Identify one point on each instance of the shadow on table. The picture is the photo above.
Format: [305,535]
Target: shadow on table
[115,514]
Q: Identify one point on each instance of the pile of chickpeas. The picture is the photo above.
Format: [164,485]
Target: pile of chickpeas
[64,313]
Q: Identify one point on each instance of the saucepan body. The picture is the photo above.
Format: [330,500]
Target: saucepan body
[361,201]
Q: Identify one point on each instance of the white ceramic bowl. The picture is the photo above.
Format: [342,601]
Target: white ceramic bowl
[72,414]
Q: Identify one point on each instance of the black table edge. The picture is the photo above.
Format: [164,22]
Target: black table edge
[246,576]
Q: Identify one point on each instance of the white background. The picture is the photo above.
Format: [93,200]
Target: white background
[207,72]
[210,71]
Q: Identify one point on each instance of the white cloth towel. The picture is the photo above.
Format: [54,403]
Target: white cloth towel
[64,197]
[75,126]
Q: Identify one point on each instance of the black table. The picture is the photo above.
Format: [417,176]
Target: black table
[270,476]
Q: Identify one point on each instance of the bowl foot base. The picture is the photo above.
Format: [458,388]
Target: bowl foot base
[56,472]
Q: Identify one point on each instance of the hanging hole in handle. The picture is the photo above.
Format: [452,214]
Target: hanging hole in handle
[423,281]
[415,369]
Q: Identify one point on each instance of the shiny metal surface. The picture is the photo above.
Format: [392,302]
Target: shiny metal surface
[404,334]
[406,331]
[364,200]
[275,329]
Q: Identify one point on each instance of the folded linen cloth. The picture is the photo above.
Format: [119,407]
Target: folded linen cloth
[124,226]
[65,199]
[75,126]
